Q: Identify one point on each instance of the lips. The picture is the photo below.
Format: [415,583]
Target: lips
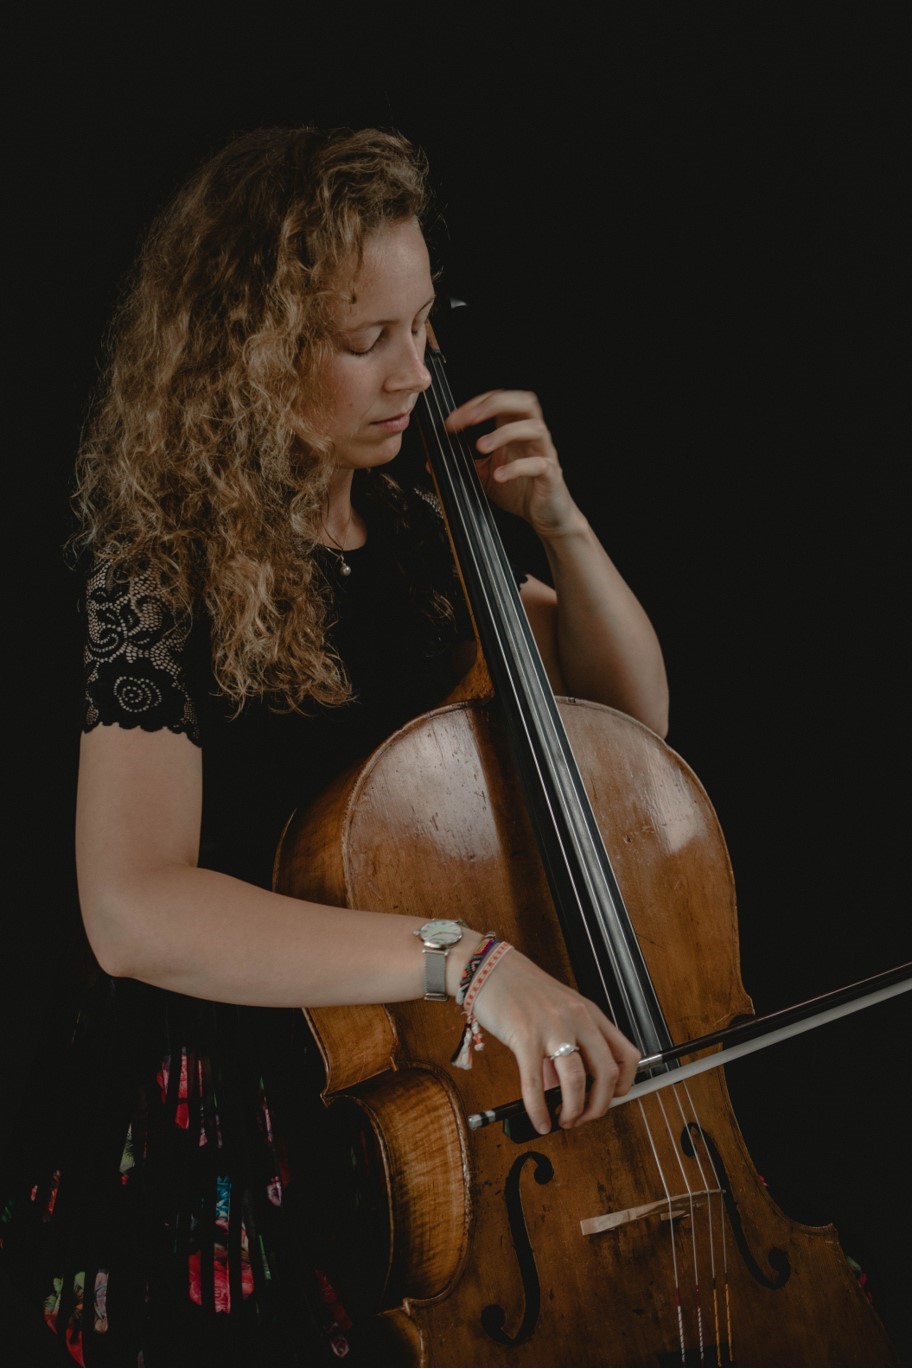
[395,424]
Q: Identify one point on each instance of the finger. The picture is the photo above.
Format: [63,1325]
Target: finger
[533,1092]
[627,1057]
[614,1073]
[602,1071]
[571,1073]
[494,404]
[468,413]
[520,430]
[550,1074]
[529,467]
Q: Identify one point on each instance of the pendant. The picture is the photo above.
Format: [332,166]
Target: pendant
[344,567]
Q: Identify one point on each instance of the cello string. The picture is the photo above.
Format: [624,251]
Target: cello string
[709,1193]
[671,1229]
[675,1150]
[716,1191]
[723,1242]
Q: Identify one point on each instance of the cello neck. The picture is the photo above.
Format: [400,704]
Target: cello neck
[596,927]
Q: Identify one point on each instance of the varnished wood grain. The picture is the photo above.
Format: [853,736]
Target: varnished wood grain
[433,825]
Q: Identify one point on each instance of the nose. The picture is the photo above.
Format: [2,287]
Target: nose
[409,373]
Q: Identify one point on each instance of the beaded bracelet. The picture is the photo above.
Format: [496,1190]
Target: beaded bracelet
[472,1036]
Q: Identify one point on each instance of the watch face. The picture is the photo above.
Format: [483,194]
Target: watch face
[441,932]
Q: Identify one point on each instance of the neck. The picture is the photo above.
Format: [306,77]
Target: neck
[342,524]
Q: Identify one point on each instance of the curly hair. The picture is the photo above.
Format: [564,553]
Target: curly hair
[203,456]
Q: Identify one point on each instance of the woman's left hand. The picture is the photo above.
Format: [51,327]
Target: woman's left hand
[518,464]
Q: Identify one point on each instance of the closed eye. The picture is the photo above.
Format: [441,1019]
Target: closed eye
[417,330]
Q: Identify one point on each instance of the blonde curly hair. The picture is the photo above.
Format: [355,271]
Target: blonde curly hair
[204,456]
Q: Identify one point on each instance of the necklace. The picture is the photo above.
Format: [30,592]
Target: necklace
[339,547]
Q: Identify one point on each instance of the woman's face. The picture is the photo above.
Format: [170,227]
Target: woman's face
[378,370]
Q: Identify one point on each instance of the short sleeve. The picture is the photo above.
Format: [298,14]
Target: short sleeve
[135,656]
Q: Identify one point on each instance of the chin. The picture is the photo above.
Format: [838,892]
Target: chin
[385,453]
[373,454]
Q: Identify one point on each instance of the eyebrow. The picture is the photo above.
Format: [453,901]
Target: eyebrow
[384,322]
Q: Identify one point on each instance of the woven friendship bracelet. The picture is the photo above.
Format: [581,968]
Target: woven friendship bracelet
[472,1036]
[493,958]
[488,942]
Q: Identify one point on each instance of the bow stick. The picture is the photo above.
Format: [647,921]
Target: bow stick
[762,1031]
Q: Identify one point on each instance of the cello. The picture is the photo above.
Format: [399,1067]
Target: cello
[647,1237]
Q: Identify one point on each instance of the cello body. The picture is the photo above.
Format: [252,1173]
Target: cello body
[645,1238]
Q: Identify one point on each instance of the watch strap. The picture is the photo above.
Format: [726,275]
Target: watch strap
[435,959]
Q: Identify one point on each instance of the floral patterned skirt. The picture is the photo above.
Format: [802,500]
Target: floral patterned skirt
[166,1198]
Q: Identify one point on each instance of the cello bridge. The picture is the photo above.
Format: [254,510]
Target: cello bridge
[667,1209]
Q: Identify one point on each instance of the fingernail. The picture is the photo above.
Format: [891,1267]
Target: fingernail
[543,1128]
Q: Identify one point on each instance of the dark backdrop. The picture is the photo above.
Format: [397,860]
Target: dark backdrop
[680,225]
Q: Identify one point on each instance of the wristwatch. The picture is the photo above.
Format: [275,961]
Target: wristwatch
[437,936]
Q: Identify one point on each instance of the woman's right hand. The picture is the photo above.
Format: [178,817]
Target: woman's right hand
[533,1014]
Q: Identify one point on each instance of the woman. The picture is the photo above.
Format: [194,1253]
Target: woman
[265,603]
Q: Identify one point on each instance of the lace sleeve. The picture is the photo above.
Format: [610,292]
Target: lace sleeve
[135,666]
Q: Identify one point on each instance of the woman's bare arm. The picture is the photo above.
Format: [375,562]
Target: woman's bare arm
[152,914]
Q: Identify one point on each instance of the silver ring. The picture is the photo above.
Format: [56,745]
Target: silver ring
[565,1048]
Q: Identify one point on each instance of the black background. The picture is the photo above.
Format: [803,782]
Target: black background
[680,225]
